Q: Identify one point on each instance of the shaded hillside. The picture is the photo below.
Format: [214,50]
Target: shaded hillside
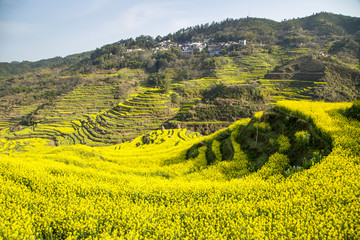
[220,105]
[16,68]
[303,68]
[332,80]
[248,146]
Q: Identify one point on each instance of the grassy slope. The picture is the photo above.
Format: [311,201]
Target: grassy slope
[139,190]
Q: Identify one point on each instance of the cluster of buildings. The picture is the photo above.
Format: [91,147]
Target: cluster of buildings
[190,48]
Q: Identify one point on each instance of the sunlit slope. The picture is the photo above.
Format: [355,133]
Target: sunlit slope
[146,109]
[150,188]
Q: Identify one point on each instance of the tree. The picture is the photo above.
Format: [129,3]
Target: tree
[175,98]
[165,85]
[146,42]
[160,80]
[50,95]
[209,65]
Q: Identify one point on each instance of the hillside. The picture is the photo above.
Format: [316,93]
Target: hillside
[195,135]
[104,96]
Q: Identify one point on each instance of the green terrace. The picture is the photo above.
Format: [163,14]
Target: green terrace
[65,117]
[81,101]
[4,124]
[239,70]
[186,106]
[145,110]
[290,89]
[198,83]
[123,73]
[17,113]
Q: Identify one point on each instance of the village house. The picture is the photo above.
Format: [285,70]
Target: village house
[187,50]
[134,50]
[214,49]
[191,48]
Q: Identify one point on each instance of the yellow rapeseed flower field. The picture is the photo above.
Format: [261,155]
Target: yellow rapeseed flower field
[151,191]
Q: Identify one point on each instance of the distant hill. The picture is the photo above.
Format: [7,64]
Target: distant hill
[319,27]
[16,68]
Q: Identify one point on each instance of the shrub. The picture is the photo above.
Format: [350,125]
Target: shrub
[302,138]
[175,98]
[192,152]
[354,110]
[294,169]
[146,139]
[265,127]
[227,150]
[317,156]
[276,164]
[210,155]
[284,143]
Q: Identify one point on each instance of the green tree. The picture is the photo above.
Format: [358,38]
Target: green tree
[165,85]
[160,80]
[50,95]
[163,58]
[175,98]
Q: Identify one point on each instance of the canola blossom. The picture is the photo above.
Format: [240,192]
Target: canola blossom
[140,190]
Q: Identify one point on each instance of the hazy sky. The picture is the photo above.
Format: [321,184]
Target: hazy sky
[37,29]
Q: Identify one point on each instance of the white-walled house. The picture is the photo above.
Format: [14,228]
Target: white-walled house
[242,42]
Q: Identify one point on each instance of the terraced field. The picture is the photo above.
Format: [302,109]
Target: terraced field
[84,100]
[55,119]
[91,115]
[14,115]
[287,89]
[230,71]
[85,116]
[147,109]
[246,68]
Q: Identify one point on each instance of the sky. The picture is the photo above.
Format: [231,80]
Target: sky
[38,29]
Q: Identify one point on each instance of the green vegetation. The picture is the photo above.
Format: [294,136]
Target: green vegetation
[354,110]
